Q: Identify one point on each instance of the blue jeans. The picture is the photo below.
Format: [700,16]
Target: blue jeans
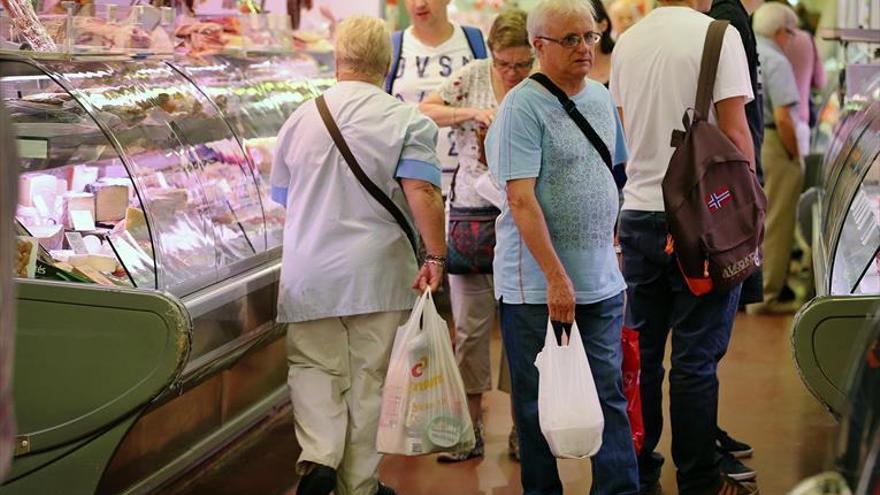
[660,302]
[523,328]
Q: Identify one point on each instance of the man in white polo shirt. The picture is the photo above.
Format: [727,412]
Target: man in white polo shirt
[655,67]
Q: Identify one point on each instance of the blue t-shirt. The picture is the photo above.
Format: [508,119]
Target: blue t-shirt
[533,137]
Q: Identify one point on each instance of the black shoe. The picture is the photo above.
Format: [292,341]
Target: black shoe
[735,448]
[320,481]
[385,490]
[655,489]
[728,486]
[786,294]
[735,470]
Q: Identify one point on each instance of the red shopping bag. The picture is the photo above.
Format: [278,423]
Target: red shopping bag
[631,370]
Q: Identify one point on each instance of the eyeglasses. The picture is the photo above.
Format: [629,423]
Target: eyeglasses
[574,40]
[516,66]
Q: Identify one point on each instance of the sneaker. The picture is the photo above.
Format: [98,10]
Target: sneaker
[477,451]
[320,481]
[655,489]
[385,490]
[732,468]
[733,487]
[513,444]
[737,449]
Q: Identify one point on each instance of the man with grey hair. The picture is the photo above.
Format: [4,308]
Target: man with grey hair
[554,254]
[658,300]
[775,25]
[347,266]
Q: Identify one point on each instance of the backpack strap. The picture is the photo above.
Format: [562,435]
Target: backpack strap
[396,51]
[362,177]
[475,41]
[709,67]
[577,116]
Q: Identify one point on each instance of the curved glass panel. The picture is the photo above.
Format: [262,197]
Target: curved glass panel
[856,267]
[257,95]
[190,170]
[76,198]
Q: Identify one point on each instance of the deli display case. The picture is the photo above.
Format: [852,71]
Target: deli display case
[146,338]
[844,225]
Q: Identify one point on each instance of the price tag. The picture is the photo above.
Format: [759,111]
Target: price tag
[34,148]
[82,220]
[76,242]
[163,183]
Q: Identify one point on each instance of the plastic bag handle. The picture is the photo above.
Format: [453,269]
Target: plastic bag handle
[564,327]
[419,308]
[574,335]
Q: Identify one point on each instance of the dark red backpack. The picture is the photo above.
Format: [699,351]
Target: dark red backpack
[714,203]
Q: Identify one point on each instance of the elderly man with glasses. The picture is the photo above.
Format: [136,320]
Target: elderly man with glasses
[555,255]
[774,25]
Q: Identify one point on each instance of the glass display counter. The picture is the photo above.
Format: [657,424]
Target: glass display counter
[151,257]
[845,228]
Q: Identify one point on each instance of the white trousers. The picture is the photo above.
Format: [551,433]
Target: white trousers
[337,369]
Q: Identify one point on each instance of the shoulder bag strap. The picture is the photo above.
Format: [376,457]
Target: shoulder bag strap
[578,117]
[475,41]
[709,66]
[358,172]
[396,54]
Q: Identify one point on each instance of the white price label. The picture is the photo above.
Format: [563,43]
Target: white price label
[34,148]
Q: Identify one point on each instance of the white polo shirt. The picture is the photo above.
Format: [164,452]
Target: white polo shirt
[654,70]
[343,253]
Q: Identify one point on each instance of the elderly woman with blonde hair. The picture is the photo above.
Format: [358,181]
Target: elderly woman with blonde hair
[347,266]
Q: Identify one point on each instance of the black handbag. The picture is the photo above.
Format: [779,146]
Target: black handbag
[470,238]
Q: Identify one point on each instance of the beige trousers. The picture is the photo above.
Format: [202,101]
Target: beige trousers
[473,309]
[783,181]
[337,369]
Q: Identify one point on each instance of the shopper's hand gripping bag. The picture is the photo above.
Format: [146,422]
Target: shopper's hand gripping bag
[568,406]
[424,406]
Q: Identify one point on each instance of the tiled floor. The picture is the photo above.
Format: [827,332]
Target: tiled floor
[762,401]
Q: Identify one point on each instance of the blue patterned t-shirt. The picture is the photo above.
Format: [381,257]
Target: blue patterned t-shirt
[533,137]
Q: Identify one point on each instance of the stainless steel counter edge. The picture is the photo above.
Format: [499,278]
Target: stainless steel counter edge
[226,291]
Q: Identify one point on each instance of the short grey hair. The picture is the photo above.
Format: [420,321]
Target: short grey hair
[538,16]
[363,46]
[771,17]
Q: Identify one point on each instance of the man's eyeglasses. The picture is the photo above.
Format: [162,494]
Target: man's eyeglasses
[516,66]
[573,40]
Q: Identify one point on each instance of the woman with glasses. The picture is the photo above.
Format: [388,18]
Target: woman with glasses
[601,70]
[467,102]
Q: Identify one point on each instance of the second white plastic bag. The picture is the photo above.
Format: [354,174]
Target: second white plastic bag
[424,406]
[568,406]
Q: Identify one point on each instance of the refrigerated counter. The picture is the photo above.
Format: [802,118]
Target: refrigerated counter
[845,228]
[146,338]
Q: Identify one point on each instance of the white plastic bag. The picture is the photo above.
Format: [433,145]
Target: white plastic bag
[568,406]
[424,406]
